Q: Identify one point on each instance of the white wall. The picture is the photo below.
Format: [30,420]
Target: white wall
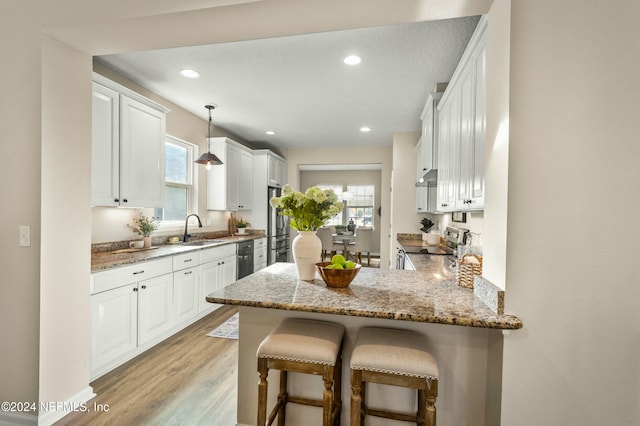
[573,160]
[64,290]
[494,238]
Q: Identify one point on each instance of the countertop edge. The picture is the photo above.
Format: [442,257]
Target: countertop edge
[504,322]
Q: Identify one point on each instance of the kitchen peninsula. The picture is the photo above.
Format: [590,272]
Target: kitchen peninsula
[427,301]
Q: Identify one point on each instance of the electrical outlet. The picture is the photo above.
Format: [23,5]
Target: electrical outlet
[25,235]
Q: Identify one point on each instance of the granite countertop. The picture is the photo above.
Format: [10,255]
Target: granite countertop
[430,295]
[104,260]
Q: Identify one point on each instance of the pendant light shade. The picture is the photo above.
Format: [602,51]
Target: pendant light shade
[208,158]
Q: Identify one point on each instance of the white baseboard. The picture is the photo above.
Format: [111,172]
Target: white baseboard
[77,402]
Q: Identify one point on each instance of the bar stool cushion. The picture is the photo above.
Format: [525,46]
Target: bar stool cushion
[400,352]
[303,340]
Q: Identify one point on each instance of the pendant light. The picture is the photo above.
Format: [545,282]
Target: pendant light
[208,158]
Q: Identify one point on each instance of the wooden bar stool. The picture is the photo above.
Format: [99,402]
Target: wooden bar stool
[393,357]
[302,346]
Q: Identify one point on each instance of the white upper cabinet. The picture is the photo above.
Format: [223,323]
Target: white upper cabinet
[105,154]
[462,118]
[427,147]
[127,147]
[276,174]
[230,185]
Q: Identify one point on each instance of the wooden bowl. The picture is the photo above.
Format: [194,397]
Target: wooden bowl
[337,278]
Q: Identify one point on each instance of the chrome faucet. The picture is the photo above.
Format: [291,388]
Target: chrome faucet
[186,236]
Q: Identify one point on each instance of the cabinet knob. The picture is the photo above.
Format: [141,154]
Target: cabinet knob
[222,263]
[125,200]
[116,200]
[144,286]
[135,289]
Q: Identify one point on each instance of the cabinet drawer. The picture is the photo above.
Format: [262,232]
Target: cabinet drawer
[260,243]
[186,260]
[107,280]
[207,255]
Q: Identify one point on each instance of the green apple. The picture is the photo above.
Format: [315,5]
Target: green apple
[337,266]
[349,264]
[338,259]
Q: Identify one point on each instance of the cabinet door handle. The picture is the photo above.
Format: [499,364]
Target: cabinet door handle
[116,200]
[139,272]
[125,200]
[144,286]
[187,260]
[135,289]
[188,272]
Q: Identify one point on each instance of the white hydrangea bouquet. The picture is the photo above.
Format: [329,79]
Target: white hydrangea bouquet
[308,211]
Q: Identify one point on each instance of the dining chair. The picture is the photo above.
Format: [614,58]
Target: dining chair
[363,243]
[329,246]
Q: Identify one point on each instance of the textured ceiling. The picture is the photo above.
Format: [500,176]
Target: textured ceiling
[299,87]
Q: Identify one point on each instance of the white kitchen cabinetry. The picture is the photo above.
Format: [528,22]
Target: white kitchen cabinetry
[259,254]
[277,173]
[427,147]
[114,325]
[186,286]
[135,307]
[217,269]
[269,170]
[155,308]
[124,315]
[230,185]
[426,198]
[462,117]
[128,133]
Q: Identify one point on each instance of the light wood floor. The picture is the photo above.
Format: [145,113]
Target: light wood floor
[189,379]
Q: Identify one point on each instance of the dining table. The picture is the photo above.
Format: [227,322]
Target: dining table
[345,239]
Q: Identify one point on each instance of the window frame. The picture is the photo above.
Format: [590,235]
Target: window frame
[192,176]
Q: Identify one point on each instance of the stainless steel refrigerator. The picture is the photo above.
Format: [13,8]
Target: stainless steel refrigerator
[277,232]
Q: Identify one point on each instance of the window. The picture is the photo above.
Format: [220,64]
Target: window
[179,188]
[359,202]
[360,207]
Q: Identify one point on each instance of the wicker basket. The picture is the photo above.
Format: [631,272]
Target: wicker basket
[469,266]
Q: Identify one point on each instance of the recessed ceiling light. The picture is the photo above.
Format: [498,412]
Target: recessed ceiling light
[365,129]
[352,60]
[189,73]
[270,132]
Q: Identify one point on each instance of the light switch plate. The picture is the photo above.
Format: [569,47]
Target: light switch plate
[25,236]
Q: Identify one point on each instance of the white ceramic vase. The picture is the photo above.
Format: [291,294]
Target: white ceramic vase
[147,242]
[307,249]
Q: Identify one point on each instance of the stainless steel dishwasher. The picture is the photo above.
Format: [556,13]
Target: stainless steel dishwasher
[245,258]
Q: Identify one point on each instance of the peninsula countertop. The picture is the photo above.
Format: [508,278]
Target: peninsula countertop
[430,296]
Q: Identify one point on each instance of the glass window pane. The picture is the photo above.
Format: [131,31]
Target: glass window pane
[176,164]
[176,203]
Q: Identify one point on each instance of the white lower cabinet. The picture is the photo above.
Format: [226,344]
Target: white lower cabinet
[155,307]
[135,307]
[114,325]
[217,269]
[259,254]
[185,294]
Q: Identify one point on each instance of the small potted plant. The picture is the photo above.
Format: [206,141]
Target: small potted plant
[144,226]
[241,225]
